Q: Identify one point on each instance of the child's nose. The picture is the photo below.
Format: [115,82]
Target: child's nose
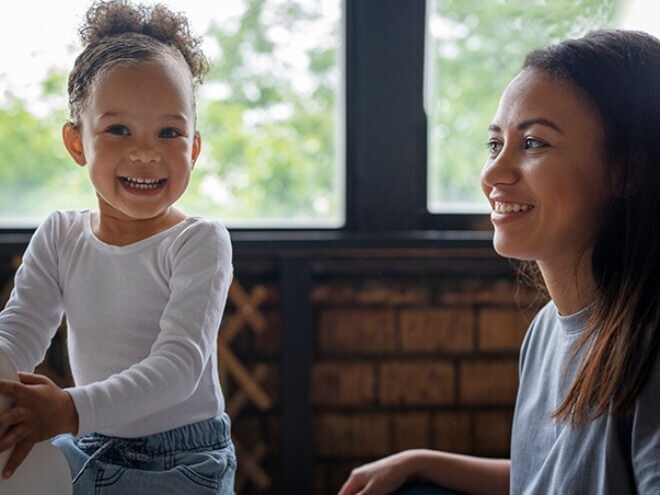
[144,152]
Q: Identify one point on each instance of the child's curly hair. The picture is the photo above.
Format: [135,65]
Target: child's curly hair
[119,32]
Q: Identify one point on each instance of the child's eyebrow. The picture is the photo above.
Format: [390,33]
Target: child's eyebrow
[109,114]
[176,116]
[167,116]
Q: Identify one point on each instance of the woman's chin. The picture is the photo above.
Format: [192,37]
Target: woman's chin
[511,250]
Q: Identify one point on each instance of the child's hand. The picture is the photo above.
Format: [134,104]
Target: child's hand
[41,411]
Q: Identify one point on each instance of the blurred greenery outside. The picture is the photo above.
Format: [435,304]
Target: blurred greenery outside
[272,135]
[267,114]
[474,48]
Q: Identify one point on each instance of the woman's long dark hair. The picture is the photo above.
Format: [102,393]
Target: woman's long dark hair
[619,71]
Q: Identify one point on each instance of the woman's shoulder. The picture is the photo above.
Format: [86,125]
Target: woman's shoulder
[540,331]
[651,391]
[544,320]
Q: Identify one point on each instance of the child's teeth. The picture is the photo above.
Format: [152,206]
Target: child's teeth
[142,183]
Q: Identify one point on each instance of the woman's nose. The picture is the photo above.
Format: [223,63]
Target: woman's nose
[500,169]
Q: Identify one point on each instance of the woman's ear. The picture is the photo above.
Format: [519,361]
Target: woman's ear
[197,147]
[73,143]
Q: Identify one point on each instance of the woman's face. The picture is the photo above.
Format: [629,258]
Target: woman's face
[545,177]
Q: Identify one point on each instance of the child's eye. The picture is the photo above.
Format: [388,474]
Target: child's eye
[533,143]
[118,130]
[169,132]
[493,146]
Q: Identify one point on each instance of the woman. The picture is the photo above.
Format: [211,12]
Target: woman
[573,180]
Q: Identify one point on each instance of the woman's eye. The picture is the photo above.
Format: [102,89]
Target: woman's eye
[533,143]
[118,130]
[493,146]
[169,132]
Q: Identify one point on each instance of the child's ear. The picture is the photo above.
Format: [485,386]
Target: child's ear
[73,143]
[197,147]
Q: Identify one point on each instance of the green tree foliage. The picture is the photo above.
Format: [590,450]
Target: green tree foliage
[476,48]
[36,174]
[268,140]
[269,143]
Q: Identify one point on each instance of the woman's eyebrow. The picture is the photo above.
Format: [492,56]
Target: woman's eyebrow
[525,124]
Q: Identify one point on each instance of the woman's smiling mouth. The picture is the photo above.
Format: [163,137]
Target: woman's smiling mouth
[500,207]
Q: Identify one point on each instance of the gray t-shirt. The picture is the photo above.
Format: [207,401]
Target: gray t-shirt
[610,455]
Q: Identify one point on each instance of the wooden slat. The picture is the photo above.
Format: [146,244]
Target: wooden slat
[243,377]
[246,315]
[239,400]
[246,305]
[250,468]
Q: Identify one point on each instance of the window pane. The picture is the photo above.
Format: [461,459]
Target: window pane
[474,49]
[268,113]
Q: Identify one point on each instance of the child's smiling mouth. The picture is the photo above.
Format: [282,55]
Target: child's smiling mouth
[142,184]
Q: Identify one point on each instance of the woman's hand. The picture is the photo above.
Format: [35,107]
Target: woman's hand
[41,410]
[379,477]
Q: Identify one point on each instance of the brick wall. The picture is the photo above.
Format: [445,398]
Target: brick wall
[399,362]
[424,363]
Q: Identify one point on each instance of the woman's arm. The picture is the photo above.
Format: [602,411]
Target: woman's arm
[466,474]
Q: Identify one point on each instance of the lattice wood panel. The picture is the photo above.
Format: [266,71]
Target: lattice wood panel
[246,317]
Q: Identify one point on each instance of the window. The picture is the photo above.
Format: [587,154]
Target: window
[269,113]
[473,49]
[285,146]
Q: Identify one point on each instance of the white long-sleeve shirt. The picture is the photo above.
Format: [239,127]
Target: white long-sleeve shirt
[142,320]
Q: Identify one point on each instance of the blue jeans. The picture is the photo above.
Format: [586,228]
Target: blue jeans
[196,459]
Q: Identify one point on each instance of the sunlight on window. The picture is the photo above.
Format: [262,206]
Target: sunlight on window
[268,113]
[473,49]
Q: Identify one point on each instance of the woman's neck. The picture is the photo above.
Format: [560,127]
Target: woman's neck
[570,285]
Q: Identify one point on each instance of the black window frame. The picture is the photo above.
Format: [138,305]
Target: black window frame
[386,126]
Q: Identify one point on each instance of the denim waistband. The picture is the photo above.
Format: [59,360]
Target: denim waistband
[214,433]
[211,434]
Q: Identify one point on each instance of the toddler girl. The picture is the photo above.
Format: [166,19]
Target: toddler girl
[143,286]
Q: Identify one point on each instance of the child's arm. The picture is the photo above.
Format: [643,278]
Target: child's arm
[41,411]
[34,310]
[27,325]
